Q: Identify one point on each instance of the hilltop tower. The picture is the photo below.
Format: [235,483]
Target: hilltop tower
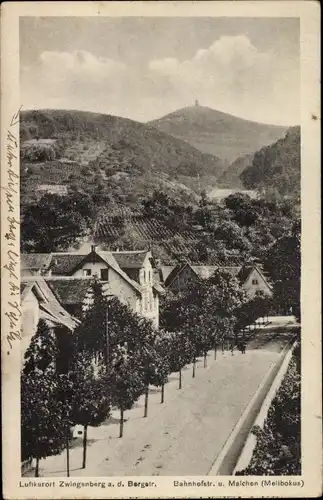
[196,103]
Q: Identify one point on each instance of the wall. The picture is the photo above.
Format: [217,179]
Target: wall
[29,322]
[181,281]
[260,287]
[150,308]
[119,287]
[95,268]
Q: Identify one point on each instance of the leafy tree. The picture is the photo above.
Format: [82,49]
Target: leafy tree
[124,381]
[283,264]
[89,399]
[43,413]
[203,214]
[162,362]
[92,333]
[244,212]
[180,353]
[232,235]
[54,223]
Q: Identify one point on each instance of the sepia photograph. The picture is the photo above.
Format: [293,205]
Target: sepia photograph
[160,234]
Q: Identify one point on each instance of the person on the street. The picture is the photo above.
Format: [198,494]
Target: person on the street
[242,347]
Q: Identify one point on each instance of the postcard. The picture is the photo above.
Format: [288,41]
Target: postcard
[160,250]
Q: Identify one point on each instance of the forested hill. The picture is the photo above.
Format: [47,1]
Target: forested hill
[116,151]
[218,133]
[276,170]
[231,177]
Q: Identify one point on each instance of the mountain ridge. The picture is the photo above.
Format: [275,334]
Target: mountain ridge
[84,148]
[218,133]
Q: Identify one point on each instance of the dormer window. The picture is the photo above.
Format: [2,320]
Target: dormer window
[87,272]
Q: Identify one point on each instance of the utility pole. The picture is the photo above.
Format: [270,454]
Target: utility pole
[107,338]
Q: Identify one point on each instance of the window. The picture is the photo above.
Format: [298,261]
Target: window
[255,282]
[104,274]
[87,272]
[260,293]
[144,276]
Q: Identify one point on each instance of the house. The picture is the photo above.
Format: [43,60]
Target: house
[130,276]
[39,302]
[251,277]
[219,194]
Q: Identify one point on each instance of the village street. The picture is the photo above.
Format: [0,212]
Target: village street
[185,434]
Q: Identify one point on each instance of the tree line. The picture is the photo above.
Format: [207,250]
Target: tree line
[114,355]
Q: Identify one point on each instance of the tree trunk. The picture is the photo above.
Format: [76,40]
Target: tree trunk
[84,447]
[162,393]
[121,422]
[37,468]
[215,348]
[222,347]
[67,454]
[194,366]
[180,379]
[205,359]
[146,402]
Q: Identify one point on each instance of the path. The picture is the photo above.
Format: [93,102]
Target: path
[184,435]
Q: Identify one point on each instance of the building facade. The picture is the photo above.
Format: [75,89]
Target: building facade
[251,278]
[39,302]
[130,276]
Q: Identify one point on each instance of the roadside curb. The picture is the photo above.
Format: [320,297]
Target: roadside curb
[229,456]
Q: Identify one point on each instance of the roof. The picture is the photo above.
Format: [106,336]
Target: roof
[25,288]
[50,307]
[129,260]
[111,261]
[65,263]
[175,272]
[204,271]
[233,270]
[244,273]
[158,288]
[70,291]
[166,270]
[35,261]
[30,142]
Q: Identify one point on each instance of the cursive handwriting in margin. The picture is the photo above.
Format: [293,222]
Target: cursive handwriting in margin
[11,268]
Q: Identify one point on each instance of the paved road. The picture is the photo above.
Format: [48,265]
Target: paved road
[184,435]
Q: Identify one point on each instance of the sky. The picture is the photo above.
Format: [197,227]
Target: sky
[146,67]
